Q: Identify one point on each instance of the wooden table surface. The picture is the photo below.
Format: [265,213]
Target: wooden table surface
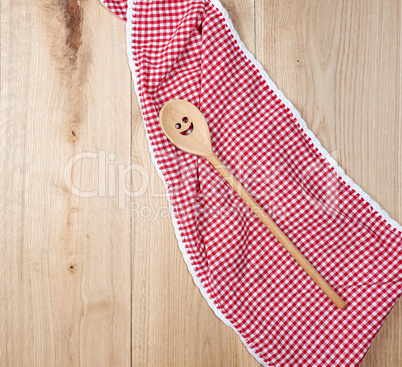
[91,273]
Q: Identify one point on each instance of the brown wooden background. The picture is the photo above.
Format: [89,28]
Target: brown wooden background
[100,281]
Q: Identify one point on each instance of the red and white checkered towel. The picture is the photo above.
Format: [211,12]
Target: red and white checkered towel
[189,50]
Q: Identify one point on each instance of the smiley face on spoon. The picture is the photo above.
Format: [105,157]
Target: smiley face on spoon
[185,128]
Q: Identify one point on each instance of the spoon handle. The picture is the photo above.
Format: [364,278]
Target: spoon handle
[276,231]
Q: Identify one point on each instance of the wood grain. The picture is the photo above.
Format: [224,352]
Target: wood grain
[100,281]
[339,63]
[65,273]
[172,323]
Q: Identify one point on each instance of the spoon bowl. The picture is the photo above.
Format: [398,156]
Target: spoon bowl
[185,126]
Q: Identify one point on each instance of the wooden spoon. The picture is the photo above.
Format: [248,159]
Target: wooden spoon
[186,127]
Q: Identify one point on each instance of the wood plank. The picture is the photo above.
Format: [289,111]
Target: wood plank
[65,279]
[172,323]
[65,275]
[339,63]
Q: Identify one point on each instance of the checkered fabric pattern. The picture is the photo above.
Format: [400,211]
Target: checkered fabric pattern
[118,7]
[188,50]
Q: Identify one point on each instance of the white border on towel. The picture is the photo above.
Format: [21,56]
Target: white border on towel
[303,124]
[307,131]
